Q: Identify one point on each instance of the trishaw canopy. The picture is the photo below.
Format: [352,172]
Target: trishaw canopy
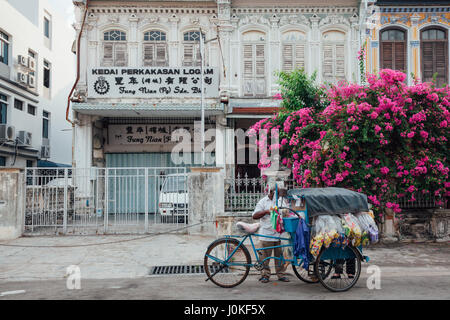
[322,201]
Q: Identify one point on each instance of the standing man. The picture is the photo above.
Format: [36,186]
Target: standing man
[262,212]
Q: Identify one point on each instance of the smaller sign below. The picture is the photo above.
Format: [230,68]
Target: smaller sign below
[148,134]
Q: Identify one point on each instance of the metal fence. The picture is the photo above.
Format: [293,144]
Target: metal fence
[243,193]
[422,201]
[105,200]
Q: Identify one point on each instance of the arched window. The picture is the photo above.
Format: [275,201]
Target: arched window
[333,56]
[254,63]
[434,55]
[114,49]
[293,50]
[191,49]
[155,49]
[393,49]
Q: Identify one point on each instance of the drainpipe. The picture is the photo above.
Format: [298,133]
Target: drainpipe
[69,98]
[78,64]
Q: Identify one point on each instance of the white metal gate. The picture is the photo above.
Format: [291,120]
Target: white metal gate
[105,200]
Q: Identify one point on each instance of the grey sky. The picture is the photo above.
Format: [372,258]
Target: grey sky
[65,8]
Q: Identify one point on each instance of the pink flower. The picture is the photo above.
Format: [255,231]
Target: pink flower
[355,128]
[377,128]
[411,134]
[384,170]
[424,134]
[373,115]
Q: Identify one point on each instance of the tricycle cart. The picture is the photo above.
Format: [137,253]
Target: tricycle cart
[227,260]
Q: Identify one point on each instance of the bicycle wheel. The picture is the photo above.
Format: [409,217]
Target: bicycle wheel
[344,268]
[309,276]
[232,273]
[305,275]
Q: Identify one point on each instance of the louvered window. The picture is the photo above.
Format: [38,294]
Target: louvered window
[254,66]
[191,49]
[155,49]
[333,62]
[393,50]
[115,52]
[434,55]
[293,56]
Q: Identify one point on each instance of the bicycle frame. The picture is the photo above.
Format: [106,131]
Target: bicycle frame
[256,250]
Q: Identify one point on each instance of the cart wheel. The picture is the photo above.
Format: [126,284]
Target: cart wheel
[305,275]
[344,268]
[227,276]
[309,276]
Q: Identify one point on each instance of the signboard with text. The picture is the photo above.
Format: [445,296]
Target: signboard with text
[149,134]
[152,82]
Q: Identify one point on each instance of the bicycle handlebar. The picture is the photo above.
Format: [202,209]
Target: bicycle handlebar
[290,210]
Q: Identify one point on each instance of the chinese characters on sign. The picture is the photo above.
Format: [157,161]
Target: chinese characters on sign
[144,134]
[152,82]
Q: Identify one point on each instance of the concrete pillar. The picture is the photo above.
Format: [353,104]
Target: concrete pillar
[206,199]
[12,203]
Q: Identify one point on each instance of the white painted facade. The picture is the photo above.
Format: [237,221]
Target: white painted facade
[23,23]
[256,39]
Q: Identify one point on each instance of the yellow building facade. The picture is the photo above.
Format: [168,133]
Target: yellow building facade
[409,36]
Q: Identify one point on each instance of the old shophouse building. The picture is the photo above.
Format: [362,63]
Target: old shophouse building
[246,42]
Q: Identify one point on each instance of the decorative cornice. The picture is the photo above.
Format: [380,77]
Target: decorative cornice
[334,19]
[294,19]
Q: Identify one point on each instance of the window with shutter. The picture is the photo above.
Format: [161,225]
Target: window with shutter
[120,53]
[191,49]
[108,59]
[333,62]
[149,49]
[288,57]
[393,49]
[327,62]
[340,62]
[333,56]
[188,56]
[300,56]
[114,49]
[293,56]
[254,65]
[293,50]
[434,55]
[155,49]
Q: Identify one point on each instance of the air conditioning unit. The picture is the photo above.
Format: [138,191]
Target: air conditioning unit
[22,78]
[24,138]
[31,64]
[22,60]
[7,132]
[45,152]
[31,81]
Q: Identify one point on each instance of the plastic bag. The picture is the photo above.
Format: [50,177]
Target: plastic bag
[355,232]
[368,224]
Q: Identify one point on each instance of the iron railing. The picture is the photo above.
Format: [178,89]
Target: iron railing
[243,193]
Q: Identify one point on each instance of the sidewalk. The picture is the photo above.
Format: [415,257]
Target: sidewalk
[132,256]
[128,259]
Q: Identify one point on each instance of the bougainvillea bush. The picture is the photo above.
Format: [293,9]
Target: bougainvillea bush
[384,138]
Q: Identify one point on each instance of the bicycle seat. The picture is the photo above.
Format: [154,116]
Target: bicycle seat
[248,228]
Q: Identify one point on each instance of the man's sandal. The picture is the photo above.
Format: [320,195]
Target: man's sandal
[264,279]
[284,279]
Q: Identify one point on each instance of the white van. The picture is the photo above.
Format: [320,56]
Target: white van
[173,199]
